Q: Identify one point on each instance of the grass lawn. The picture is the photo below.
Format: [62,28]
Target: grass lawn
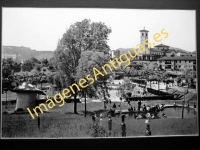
[61,122]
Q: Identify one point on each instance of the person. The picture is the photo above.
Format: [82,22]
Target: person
[148,132]
[134,108]
[105,105]
[148,124]
[123,128]
[128,101]
[123,118]
[130,109]
[139,117]
[94,118]
[148,108]
[110,125]
[139,104]
[100,120]
[194,105]
[114,106]
[148,115]
[175,104]
[188,105]
[144,107]
[164,115]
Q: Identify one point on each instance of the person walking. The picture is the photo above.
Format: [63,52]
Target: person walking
[123,128]
[101,120]
[139,104]
[109,125]
[147,132]
[94,118]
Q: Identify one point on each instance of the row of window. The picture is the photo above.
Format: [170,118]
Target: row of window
[143,34]
[179,61]
[190,61]
[184,66]
[157,53]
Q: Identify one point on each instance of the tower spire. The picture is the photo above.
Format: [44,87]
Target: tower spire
[144,27]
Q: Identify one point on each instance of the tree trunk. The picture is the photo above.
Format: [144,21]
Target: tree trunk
[85,103]
[6,98]
[75,102]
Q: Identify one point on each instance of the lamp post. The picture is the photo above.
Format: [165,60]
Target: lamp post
[85,102]
[120,97]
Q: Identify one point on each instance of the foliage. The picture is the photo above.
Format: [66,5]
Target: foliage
[27,65]
[96,130]
[44,62]
[9,67]
[81,36]
[35,60]
[89,60]
[38,67]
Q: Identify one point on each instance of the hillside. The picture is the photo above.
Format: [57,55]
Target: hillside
[122,50]
[24,53]
[178,49]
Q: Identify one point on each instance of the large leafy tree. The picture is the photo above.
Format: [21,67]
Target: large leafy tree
[89,60]
[81,36]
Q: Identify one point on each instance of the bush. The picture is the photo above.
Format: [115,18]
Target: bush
[97,131]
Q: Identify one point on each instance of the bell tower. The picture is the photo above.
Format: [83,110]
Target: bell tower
[143,37]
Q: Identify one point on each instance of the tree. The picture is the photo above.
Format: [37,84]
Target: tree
[81,36]
[35,60]
[89,60]
[7,67]
[38,67]
[27,65]
[52,65]
[44,62]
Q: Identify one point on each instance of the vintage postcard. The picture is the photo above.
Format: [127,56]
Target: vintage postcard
[98,73]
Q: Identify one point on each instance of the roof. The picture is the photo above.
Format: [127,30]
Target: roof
[144,30]
[178,58]
[27,88]
[170,50]
[156,50]
[194,52]
[161,45]
[125,50]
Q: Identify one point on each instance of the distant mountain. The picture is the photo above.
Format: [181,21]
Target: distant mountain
[24,53]
[178,49]
[122,50]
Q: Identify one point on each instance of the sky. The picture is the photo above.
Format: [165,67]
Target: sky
[41,28]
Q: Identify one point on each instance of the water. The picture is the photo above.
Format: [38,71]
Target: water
[177,112]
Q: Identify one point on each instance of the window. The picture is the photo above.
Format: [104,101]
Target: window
[179,61]
[142,34]
[146,34]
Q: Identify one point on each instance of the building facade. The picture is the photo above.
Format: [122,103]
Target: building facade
[162,55]
[177,63]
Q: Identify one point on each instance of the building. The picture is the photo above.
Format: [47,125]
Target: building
[164,56]
[177,63]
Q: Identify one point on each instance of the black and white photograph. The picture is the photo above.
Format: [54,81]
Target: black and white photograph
[87,73]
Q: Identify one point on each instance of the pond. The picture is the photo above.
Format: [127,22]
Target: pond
[177,112]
